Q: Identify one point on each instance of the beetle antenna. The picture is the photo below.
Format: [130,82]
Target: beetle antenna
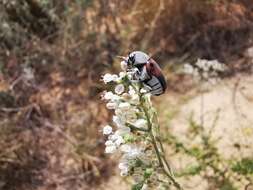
[121,57]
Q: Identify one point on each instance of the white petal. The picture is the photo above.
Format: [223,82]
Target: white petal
[122,74]
[123,173]
[126,148]
[109,143]
[140,123]
[111,105]
[119,141]
[131,91]
[124,105]
[113,137]
[124,168]
[118,121]
[123,65]
[108,95]
[110,149]
[133,153]
[107,130]
[135,99]
[123,131]
[123,165]
[188,69]
[119,89]
[109,78]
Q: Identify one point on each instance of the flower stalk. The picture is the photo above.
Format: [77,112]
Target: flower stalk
[137,134]
[160,154]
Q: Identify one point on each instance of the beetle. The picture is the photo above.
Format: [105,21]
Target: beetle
[147,71]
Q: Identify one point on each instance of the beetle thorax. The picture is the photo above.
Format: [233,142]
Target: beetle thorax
[137,58]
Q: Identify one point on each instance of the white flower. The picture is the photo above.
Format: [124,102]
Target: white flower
[123,172]
[203,64]
[134,152]
[107,130]
[108,95]
[113,137]
[133,73]
[123,165]
[123,65]
[140,123]
[206,65]
[119,89]
[124,168]
[135,99]
[122,74]
[131,91]
[124,106]
[118,121]
[188,69]
[119,141]
[111,105]
[123,131]
[109,143]
[125,148]
[110,149]
[217,66]
[109,78]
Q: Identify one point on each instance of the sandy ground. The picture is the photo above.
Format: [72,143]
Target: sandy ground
[231,103]
[228,113]
[230,106]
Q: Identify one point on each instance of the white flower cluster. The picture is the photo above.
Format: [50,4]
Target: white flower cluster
[124,101]
[205,69]
[134,132]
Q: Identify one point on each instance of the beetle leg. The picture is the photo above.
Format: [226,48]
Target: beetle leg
[156,91]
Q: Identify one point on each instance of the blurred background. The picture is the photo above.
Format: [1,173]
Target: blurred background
[52,56]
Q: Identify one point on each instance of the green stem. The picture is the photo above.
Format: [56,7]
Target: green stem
[161,159]
[164,159]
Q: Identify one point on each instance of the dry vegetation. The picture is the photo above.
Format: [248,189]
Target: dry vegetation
[52,54]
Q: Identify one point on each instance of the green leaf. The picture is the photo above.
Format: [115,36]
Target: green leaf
[245,166]
[128,138]
[148,172]
[137,186]
[195,151]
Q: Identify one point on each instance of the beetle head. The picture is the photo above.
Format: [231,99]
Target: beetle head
[137,58]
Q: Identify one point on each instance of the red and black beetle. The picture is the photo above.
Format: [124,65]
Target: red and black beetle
[148,72]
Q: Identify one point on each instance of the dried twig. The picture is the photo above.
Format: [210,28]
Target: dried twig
[151,30]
